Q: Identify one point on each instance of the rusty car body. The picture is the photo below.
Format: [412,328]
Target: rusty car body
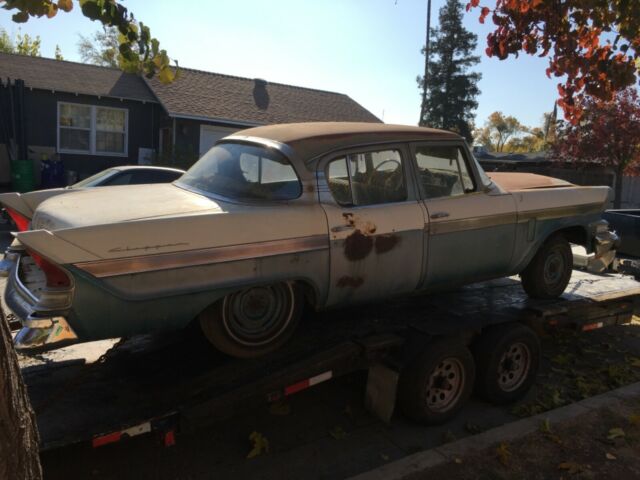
[325,214]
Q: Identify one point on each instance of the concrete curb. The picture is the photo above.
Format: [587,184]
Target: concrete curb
[421,461]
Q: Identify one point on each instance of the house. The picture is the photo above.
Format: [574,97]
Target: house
[94,117]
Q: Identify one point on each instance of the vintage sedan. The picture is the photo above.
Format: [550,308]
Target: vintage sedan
[276,217]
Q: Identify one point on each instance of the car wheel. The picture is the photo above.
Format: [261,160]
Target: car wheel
[253,321]
[437,384]
[507,358]
[549,272]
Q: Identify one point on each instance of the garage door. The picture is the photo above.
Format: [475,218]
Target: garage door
[210,134]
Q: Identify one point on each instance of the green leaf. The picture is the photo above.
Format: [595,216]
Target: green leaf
[20,17]
[259,443]
[615,433]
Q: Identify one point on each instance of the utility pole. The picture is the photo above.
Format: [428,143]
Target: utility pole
[423,107]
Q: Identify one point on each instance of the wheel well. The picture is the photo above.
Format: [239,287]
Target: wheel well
[308,292]
[577,235]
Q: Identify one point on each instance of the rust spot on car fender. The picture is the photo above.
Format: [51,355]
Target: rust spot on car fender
[357,246]
[385,243]
[311,188]
[352,282]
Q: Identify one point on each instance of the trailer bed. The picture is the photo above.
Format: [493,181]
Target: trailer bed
[178,382]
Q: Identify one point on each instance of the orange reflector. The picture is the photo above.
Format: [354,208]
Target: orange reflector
[592,326]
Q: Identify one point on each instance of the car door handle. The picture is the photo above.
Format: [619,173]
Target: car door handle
[439,215]
[342,228]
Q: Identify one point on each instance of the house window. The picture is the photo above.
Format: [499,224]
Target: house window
[90,129]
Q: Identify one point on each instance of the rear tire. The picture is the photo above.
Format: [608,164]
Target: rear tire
[254,321]
[438,383]
[549,272]
[507,359]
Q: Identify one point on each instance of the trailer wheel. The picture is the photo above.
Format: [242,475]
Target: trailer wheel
[507,358]
[254,321]
[437,384]
[549,272]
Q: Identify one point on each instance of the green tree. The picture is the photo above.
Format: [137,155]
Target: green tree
[26,45]
[451,88]
[497,130]
[58,54]
[140,51]
[100,49]
[22,45]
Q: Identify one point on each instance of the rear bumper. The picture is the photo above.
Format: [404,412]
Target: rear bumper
[603,243]
[43,317]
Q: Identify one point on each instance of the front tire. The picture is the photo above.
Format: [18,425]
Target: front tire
[438,383]
[549,272]
[254,321]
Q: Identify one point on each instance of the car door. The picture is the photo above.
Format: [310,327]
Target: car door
[471,225]
[375,221]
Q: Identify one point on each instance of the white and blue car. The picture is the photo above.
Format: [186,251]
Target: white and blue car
[277,217]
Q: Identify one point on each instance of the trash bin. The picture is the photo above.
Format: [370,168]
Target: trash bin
[22,176]
[52,175]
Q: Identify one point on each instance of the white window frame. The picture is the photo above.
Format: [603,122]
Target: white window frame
[92,132]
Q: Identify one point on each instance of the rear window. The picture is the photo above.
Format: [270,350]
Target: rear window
[242,171]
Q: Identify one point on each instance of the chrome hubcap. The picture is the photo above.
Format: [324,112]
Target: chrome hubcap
[445,385]
[514,367]
[257,315]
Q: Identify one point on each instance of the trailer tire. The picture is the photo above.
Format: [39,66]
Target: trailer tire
[437,383]
[549,272]
[254,321]
[507,359]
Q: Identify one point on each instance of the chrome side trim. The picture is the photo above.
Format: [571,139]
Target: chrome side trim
[551,213]
[164,261]
[440,227]
[450,226]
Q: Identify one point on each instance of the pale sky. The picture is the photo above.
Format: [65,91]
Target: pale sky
[367,49]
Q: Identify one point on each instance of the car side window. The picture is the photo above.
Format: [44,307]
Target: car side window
[443,171]
[122,178]
[153,176]
[367,178]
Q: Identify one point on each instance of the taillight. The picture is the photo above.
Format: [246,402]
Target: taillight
[56,277]
[22,222]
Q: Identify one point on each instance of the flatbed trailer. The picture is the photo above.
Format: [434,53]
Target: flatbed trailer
[174,384]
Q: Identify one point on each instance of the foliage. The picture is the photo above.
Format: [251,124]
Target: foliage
[497,130]
[451,87]
[58,53]
[101,49]
[594,44]
[22,45]
[140,51]
[608,134]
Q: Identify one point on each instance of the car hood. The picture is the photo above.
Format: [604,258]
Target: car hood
[107,205]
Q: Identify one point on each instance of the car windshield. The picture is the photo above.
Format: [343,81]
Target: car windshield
[95,180]
[242,171]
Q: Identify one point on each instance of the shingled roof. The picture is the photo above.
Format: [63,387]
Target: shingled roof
[196,94]
[225,98]
[62,76]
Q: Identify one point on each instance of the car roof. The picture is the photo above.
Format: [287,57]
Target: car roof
[147,167]
[309,140]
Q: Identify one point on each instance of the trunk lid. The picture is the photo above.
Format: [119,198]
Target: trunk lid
[108,205]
